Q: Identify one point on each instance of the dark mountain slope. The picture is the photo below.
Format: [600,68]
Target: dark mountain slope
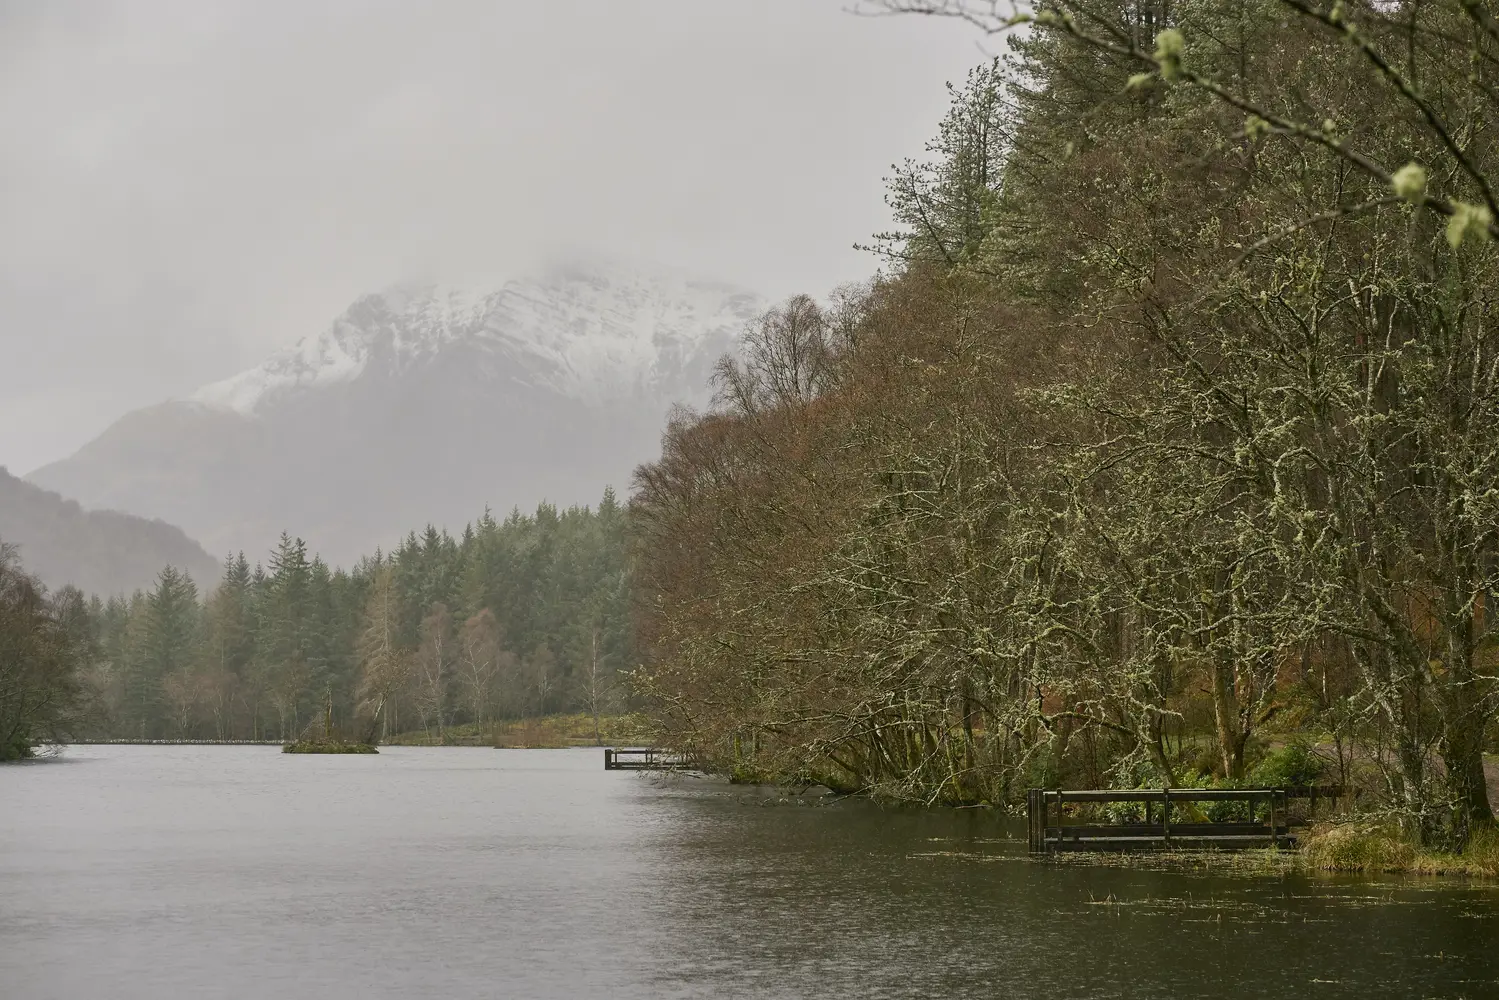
[99,551]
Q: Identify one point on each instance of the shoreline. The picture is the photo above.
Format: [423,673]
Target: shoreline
[171,743]
[1347,849]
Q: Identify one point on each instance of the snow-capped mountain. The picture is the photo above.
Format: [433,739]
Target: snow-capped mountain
[589,335]
[423,404]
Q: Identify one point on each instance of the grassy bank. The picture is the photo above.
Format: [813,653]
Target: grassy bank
[1373,849]
[1362,849]
[547,732]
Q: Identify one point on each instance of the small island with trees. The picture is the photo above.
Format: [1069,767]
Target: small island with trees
[324,737]
[328,746]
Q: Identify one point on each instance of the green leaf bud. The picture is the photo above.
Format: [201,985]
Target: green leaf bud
[1468,222]
[1409,183]
[1169,45]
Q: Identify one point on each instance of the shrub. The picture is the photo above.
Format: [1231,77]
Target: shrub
[1482,855]
[1296,763]
[1356,848]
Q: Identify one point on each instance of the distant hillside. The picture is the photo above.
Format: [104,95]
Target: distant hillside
[99,551]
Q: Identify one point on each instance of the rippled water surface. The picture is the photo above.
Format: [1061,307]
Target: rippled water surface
[164,872]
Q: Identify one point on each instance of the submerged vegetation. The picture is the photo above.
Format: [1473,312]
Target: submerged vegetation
[1167,436]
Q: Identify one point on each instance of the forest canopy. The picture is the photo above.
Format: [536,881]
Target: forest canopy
[1166,435]
[517,617]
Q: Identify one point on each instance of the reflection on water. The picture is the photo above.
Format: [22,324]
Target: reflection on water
[155,872]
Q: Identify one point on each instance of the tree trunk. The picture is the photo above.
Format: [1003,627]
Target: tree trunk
[1462,757]
[593,684]
[1157,747]
[1463,724]
[1231,738]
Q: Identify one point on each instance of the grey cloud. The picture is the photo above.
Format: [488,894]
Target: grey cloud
[187,186]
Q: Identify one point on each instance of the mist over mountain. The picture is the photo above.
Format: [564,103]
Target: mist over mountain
[99,551]
[422,404]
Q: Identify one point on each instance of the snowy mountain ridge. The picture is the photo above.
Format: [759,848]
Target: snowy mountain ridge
[590,334]
[423,404]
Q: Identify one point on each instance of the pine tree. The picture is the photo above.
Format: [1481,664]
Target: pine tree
[170,655]
[229,646]
[946,204]
[283,632]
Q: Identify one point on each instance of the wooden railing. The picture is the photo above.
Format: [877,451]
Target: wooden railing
[1161,829]
[642,759]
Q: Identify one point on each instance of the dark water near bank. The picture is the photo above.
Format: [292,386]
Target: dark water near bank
[164,872]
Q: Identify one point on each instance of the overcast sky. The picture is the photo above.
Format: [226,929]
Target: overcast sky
[185,187]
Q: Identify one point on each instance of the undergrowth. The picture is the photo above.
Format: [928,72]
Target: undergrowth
[1372,848]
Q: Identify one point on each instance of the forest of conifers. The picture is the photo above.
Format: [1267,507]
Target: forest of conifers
[1167,433]
[518,617]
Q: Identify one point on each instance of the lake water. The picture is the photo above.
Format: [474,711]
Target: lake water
[203,872]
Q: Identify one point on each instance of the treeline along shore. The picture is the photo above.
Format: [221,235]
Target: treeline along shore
[517,617]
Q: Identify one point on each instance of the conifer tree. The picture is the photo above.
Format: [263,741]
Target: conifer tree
[170,654]
[229,642]
[946,204]
[283,633]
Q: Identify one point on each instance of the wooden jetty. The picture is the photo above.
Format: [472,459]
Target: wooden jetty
[1051,828]
[642,759]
